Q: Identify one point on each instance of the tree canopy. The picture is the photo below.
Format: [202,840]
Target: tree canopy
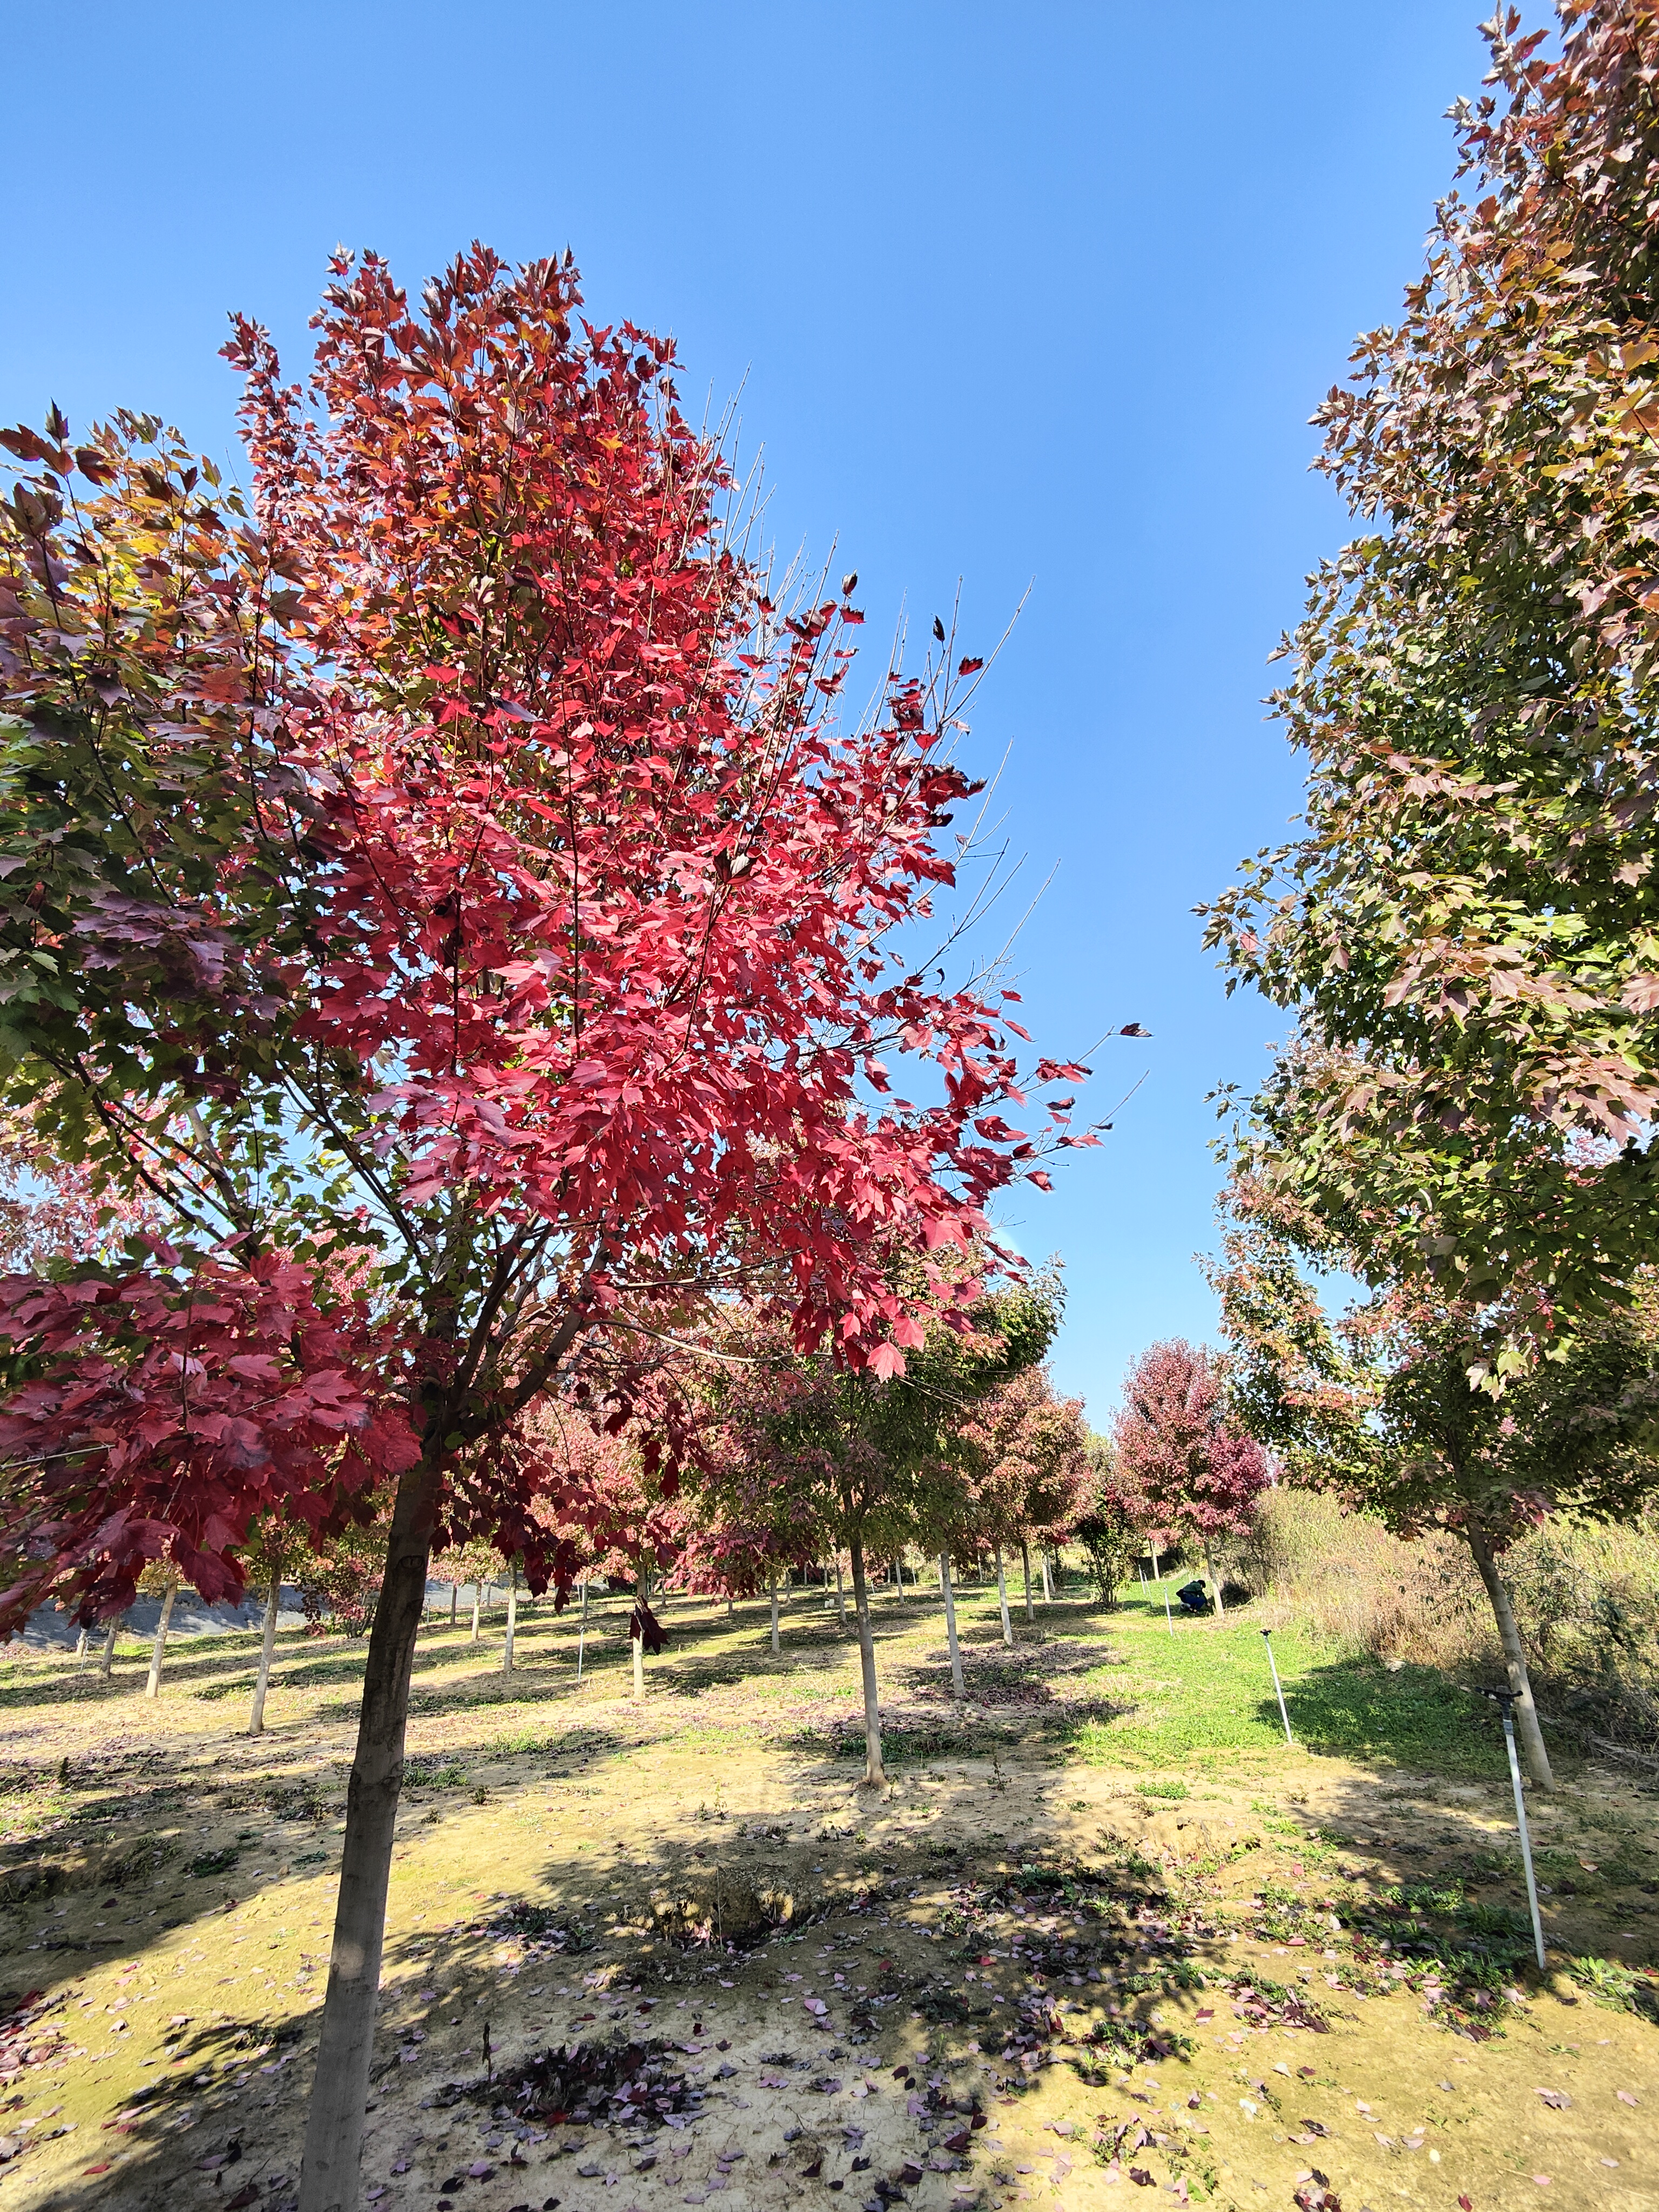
[1467,928]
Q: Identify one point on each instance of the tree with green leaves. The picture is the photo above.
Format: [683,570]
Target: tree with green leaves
[1110,1527]
[865,1463]
[1467,927]
[1386,1405]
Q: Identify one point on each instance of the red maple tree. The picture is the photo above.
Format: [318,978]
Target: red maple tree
[1191,1472]
[455,855]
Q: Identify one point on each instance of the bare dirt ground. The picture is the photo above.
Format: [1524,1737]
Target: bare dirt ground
[1099,1935]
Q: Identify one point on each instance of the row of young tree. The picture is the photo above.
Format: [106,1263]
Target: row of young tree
[1467,930]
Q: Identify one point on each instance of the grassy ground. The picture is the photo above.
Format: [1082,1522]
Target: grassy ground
[1104,1929]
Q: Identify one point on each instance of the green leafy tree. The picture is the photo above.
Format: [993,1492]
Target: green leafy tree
[1110,1527]
[1468,927]
[1386,1405]
[855,1461]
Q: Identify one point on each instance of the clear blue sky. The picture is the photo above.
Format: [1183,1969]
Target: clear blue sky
[1038,294]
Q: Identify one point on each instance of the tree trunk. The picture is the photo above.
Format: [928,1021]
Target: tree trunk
[775,1616]
[334,2124]
[81,1645]
[159,1650]
[478,1600]
[107,1663]
[454,1601]
[639,1641]
[1047,1586]
[874,1772]
[841,1596]
[1025,1562]
[1215,1585]
[956,1690]
[581,1634]
[1002,1600]
[1514,1660]
[511,1616]
[267,1645]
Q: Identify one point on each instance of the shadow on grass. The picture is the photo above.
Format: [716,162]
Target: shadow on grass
[193,2112]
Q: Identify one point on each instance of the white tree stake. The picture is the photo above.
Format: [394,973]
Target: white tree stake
[1506,1702]
[1267,1637]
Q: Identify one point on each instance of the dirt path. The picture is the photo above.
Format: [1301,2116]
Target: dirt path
[1025,1972]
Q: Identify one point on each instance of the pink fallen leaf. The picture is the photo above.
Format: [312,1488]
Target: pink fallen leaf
[1628,2097]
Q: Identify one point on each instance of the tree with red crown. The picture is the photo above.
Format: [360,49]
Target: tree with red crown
[1192,1472]
[451,853]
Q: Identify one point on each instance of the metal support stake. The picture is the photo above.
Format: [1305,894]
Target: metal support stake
[1506,1704]
[1267,1637]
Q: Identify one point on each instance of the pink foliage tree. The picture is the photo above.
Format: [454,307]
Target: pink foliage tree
[1194,1475]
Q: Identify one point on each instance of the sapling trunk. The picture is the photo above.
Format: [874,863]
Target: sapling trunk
[159,1649]
[267,1645]
[874,1772]
[581,1634]
[454,1601]
[512,1617]
[1025,1563]
[1514,1660]
[478,1600]
[841,1596]
[1215,1584]
[334,2124]
[1047,1586]
[107,1661]
[956,1690]
[639,1640]
[1002,1600]
[775,1616]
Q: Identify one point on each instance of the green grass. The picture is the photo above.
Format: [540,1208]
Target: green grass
[1207,1688]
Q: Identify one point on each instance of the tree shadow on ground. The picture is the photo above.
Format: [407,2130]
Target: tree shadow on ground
[197,2092]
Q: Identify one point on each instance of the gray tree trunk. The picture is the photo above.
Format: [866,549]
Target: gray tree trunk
[159,1649]
[334,2124]
[1002,1600]
[1514,1660]
[775,1616]
[874,1772]
[267,1645]
[1215,1585]
[639,1642]
[841,1596]
[956,1690]
[107,1663]
[1047,1586]
[1025,1563]
[478,1600]
[511,1616]
[454,1601]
